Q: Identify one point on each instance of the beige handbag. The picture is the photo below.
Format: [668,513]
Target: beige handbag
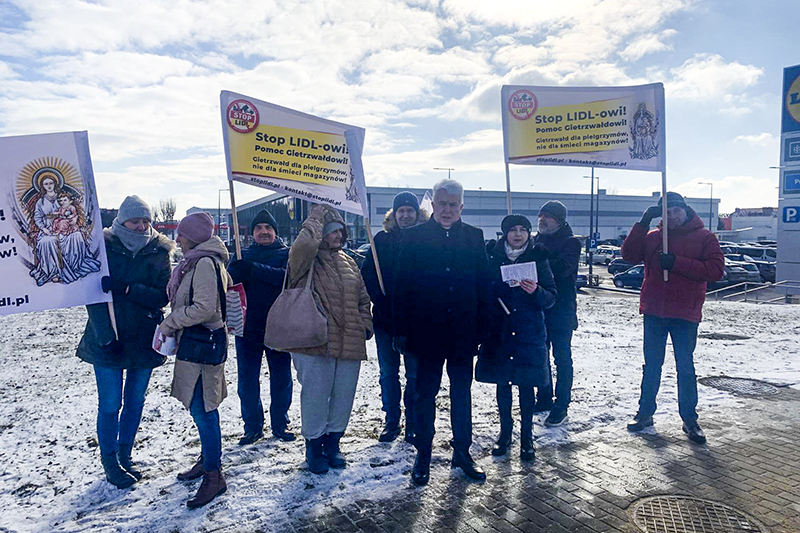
[296,320]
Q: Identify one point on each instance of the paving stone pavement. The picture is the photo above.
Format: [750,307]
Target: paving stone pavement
[590,487]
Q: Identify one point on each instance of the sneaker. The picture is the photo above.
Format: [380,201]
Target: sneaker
[250,437]
[637,424]
[695,433]
[556,417]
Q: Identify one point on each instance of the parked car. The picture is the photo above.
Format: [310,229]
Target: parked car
[633,277]
[759,252]
[740,272]
[581,281]
[765,268]
[605,254]
[619,265]
[363,249]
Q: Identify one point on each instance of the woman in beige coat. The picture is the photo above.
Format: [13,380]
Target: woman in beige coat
[199,387]
[328,374]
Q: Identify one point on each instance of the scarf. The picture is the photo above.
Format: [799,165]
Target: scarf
[132,240]
[512,253]
[186,265]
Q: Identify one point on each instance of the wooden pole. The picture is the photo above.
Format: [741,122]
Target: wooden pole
[375,256]
[113,316]
[508,189]
[235,221]
[664,219]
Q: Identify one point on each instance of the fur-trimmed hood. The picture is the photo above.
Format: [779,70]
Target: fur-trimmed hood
[390,222]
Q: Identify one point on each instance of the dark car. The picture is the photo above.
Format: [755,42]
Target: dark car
[740,272]
[618,265]
[766,269]
[633,277]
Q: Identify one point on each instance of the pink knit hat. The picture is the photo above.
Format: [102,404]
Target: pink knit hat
[197,227]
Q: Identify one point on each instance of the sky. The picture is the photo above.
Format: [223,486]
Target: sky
[422,76]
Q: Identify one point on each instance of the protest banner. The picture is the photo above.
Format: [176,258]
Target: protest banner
[52,252]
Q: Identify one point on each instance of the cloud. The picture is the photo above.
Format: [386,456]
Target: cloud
[647,44]
[766,140]
[707,77]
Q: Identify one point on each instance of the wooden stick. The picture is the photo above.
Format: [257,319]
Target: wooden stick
[375,256]
[664,219]
[235,220]
[508,190]
[113,316]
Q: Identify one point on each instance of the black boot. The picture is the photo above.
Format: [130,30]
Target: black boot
[462,460]
[421,472]
[114,473]
[390,431]
[317,462]
[506,422]
[124,456]
[330,447]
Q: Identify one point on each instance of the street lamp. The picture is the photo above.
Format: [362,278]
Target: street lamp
[710,204]
[219,209]
[444,168]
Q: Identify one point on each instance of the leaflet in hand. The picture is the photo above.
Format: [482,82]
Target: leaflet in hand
[163,344]
[513,274]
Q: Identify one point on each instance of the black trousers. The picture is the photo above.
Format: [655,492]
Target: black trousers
[429,380]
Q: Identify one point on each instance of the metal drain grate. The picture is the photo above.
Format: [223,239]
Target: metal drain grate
[681,514]
[743,386]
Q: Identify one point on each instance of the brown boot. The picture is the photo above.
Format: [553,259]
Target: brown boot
[194,472]
[212,486]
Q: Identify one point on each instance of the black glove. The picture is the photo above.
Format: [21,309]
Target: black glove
[112,349]
[240,269]
[539,252]
[400,344]
[650,213]
[110,284]
[368,334]
[667,261]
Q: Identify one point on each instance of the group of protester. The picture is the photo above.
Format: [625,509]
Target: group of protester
[434,298]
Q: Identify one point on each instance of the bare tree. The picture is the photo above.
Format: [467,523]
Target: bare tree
[166,209]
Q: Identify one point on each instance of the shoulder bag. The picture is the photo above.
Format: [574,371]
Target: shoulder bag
[296,320]
[199,344]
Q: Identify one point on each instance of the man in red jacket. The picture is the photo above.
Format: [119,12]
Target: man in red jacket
[672,307]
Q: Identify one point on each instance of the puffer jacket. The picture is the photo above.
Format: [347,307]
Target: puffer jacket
[515,351]
[565,253]
[698,260]
[206,310]
[138,311]
[337,285]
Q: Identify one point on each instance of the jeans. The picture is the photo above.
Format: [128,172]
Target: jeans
[114,430]
[389,362]
[684,340]
[429,380]
[208,427]
[249,353]
[561,344]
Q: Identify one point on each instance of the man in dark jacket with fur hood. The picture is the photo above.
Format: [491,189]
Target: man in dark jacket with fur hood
[672,307]
[261,270]
[561,319]
[404,214]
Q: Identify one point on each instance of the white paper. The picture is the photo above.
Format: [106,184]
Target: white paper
[513,274]
[163,344]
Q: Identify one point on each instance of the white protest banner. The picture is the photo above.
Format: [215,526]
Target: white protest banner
[607,127]
[52,252]
[301,155]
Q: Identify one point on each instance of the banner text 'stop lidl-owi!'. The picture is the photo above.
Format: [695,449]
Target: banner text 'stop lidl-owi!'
[52,252]
[283,150]
[610,127]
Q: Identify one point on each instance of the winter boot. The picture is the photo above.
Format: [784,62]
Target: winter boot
[114,472]
[330,447]
[421,472]
[526,451]
[506,422]
[212,486]
[390,431]
[462,460]
[124,456]
[194,472]
[317,462]
[411,434]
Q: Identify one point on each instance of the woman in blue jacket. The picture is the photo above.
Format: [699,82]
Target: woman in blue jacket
[515,353]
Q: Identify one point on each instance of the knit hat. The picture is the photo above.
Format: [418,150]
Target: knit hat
[515,220]
[263,217]
[197,227]
[555,209]
[406,198]
[133,207]
[674,200]
[330,227]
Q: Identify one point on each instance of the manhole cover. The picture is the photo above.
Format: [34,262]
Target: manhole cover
[743,386]
[679,514]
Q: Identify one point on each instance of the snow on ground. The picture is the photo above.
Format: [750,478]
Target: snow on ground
[51,478]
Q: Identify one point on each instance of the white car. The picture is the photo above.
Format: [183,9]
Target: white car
[605,254]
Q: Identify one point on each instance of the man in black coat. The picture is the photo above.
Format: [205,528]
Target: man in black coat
[561,319]
[261,270]
[440,303]
[405,213]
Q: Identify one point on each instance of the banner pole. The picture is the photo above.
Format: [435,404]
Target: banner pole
[375,256]
[508,190]
[113,316]
[664,219]
[235,221]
